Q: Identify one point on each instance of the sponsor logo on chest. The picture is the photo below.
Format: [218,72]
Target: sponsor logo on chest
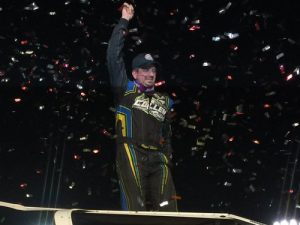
[156,107]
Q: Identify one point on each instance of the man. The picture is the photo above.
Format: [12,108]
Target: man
[142,127]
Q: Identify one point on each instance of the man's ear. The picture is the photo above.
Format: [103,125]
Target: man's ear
[134,74]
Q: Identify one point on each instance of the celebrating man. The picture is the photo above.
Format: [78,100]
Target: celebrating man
[142,127]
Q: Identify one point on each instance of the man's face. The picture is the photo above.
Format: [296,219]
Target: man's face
[145,77]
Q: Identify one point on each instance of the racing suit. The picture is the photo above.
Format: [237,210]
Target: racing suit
[143,136]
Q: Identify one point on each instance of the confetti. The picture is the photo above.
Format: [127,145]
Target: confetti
[164,204]
[231,35]
[224,10]
[231,69]
[32,7]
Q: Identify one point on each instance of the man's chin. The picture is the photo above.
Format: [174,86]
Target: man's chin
[149,84]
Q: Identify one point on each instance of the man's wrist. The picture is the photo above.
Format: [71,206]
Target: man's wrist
[126,18]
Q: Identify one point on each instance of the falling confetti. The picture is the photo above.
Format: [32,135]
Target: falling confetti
[230,67]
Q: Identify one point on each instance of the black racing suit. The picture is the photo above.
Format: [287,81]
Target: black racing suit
[143,136]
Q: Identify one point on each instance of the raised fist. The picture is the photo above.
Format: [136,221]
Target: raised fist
[127,11]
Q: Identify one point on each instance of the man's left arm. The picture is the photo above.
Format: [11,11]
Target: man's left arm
[167,132]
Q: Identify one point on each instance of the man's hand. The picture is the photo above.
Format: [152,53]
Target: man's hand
[127,11]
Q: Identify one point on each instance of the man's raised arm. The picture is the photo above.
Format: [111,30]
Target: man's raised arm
[115,61]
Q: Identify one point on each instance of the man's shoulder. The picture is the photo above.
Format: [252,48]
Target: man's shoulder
[162,94]
[131,88]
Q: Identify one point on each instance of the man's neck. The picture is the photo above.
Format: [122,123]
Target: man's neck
[143,88]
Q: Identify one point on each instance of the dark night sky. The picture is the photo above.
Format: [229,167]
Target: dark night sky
[232,68]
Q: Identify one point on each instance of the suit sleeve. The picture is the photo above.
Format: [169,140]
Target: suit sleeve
[115,61]
[167,132]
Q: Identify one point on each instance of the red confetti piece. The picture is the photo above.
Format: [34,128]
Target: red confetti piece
[257,26]
[289,77]
[231,139]
[24,42]
[176,197]
[23,185]
[76,157]
[239,113]
[229,77]
[282,69]
[160,83]
[24,88]
[194,27]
